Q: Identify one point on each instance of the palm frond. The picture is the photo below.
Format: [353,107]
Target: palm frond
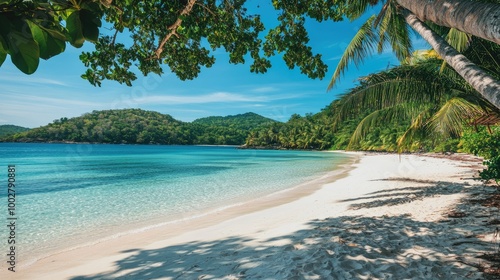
[403,84]
[416,131]
[392,29]
[458,40]
[358,49]
[377,117]
[358,7]
[485,53]
[398,33]
[421,56]
[449,120]
[382,22]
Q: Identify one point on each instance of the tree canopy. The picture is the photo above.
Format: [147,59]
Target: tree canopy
[8,129]
[448,26]
[144,35]
[136,126]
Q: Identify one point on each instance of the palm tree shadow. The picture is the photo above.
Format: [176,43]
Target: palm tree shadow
[335,248]
[421,190]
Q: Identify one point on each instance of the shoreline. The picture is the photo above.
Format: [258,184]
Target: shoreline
[268,223]
[44,236]
[227,210]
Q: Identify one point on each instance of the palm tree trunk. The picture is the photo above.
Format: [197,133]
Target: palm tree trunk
[479,79]
[474,17]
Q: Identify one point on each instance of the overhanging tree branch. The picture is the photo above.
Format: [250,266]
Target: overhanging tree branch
[172,28]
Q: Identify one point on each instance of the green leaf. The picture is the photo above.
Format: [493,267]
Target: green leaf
[49,46]
[57,34]
[90,25]
[4,30]
[3,56]
[3,49]
[74,26]
[3,44]
[358,49]
[24,51]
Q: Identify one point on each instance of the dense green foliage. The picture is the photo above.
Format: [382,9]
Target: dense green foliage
[319,132]
[421,105]
[245,121]
[485,143]
[8,129]
[229,130]
[142,36]
[309,132]
[132,37]
[135,126]
[30,30]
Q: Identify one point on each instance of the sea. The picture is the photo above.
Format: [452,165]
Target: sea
[67,195]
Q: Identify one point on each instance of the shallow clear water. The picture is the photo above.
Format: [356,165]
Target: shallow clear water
[66,193]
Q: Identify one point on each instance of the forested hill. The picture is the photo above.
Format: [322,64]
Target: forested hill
[8,129]
[245,121]
[136,126]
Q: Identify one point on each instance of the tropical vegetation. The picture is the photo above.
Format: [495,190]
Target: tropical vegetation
[136,126]
[143,36]
[429,99]
[485,143]
[444,17]
[174,33]
[8,129]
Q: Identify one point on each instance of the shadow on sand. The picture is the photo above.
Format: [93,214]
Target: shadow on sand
[387,247]
[423,189]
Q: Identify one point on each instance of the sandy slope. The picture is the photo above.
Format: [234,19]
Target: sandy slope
[387,219]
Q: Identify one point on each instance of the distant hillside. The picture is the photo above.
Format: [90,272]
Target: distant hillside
[9,129]
[136,126]
[245,121]
[232,130]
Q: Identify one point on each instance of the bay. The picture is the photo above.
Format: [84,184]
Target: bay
[69,194]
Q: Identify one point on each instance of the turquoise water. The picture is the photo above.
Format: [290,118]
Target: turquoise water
[66,193]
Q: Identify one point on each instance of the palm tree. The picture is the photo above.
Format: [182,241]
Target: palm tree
[436,99]
[479,79]
[391,26]
[459,14]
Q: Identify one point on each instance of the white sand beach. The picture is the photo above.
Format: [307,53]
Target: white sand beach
[386,217]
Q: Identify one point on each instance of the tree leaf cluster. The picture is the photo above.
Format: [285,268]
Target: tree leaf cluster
[34,30]
[143,36]
[485,143]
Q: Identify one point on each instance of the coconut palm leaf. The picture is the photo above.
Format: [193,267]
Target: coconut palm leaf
[437,102]
[416,131]
[486,54]
[398,33]
[402,84]
[449,120]
[358,49]
[358,7]
[385,115]
[458,39]
[385,28]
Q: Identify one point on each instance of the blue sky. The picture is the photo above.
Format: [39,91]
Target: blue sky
[56,89]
